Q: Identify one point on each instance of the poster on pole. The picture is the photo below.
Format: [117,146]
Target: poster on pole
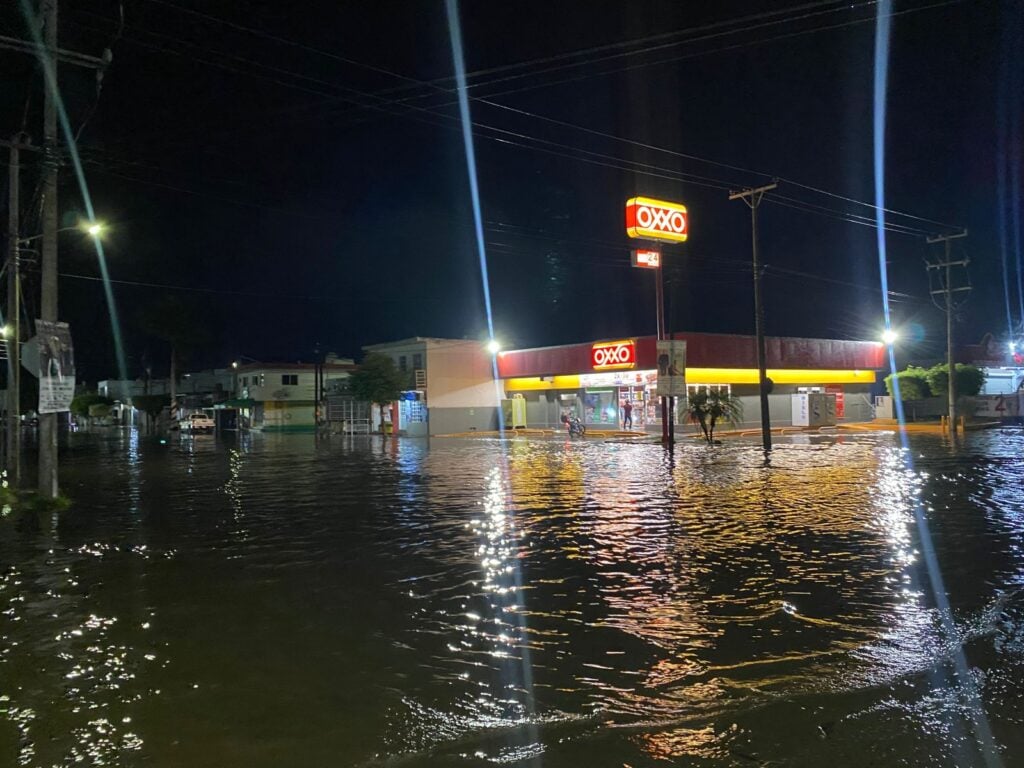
[56,366]
[671,369]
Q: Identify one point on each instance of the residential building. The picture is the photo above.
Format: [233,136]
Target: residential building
[451,386]
[280,397]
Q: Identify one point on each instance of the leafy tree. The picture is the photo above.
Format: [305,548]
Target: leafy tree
[151,405]
[177,323]
[81,404]
[969,380]
[377,380]
[707,409]
[913,384]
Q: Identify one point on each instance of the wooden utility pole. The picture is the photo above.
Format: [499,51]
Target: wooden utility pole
[48,484]
[13,330]
[752,197]
[945,271]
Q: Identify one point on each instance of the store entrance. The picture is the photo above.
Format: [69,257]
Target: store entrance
[604,407]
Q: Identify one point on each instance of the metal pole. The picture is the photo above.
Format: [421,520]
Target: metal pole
[752,197]
[48,485]
[762,373]
[660,301]
[947,288]
[949,345]
[14,320]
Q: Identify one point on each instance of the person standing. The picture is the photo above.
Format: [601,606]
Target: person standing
[627,415]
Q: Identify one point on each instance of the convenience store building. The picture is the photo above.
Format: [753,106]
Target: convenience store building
[594,380]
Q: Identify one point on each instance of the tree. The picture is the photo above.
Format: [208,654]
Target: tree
[707,409]
[81,404]
[177,323]
[377,380]
[969,380]
[151,405]
[913,384]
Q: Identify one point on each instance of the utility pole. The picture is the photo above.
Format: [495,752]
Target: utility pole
[945,271]
[48,485]
[659,301]
[752,197]
[13,332]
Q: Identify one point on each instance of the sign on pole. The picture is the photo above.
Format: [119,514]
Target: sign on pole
[651,219]
[671,369]
[647,258]
[56,366]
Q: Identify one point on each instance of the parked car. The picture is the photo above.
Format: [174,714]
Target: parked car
[196,422]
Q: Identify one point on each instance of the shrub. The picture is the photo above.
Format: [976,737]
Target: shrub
[913,384]
[969,379]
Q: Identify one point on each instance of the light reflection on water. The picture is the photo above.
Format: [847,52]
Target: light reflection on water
[280,602]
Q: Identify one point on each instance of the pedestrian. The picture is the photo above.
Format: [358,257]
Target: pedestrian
[627,415]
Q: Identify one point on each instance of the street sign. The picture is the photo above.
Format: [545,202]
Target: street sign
[609,355]
[651,219]
[671,369]
[56,366]
[647,258]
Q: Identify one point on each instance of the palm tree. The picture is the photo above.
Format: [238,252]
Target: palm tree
[707,409]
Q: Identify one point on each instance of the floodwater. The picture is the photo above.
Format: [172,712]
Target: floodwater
[274,602]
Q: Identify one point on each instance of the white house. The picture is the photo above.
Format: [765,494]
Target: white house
[279,397]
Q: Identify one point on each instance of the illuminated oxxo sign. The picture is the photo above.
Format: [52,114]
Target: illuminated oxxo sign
[656,220]
[609,355]
[646,257]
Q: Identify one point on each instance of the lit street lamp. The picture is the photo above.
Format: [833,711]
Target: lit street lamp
[92,228]
[889,337]
[493,347]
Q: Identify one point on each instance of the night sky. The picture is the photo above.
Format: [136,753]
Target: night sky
[257,160]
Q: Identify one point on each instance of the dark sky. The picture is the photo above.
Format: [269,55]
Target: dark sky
[259,153]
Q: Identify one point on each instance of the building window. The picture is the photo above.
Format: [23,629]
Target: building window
[417,361]
[245,381]
[289,379]
[401,363]
[706,389]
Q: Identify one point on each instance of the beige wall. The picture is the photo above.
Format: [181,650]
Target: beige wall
[459,375]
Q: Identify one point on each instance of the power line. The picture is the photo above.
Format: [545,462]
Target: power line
[683,176]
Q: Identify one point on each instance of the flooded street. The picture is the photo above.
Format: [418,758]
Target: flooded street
[272,602]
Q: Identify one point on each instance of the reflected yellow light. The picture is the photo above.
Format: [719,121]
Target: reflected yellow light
[714,376]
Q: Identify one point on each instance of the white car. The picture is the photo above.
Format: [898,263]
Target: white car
[197,422]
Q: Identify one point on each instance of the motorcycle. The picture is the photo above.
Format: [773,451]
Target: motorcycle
[575,427]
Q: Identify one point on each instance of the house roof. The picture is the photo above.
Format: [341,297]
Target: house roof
[337,367]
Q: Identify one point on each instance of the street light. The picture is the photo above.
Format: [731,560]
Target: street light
[889,337]
[493,347]
[5,332]
[234,364]
[93,228]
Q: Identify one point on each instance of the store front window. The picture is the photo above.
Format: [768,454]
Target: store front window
[601,406]
[705,389]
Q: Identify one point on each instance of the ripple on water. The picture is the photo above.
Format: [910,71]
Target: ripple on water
[277,601]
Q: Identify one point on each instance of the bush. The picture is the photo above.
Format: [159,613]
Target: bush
[969,380]
[81,404]
[913,384]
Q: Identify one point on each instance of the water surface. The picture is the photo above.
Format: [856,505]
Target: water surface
[273,601]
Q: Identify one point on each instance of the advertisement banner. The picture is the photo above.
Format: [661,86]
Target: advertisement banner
[56,366]
[671,369]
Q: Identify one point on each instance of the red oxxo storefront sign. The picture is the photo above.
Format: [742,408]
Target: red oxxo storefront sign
[612,355]
[650,219]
